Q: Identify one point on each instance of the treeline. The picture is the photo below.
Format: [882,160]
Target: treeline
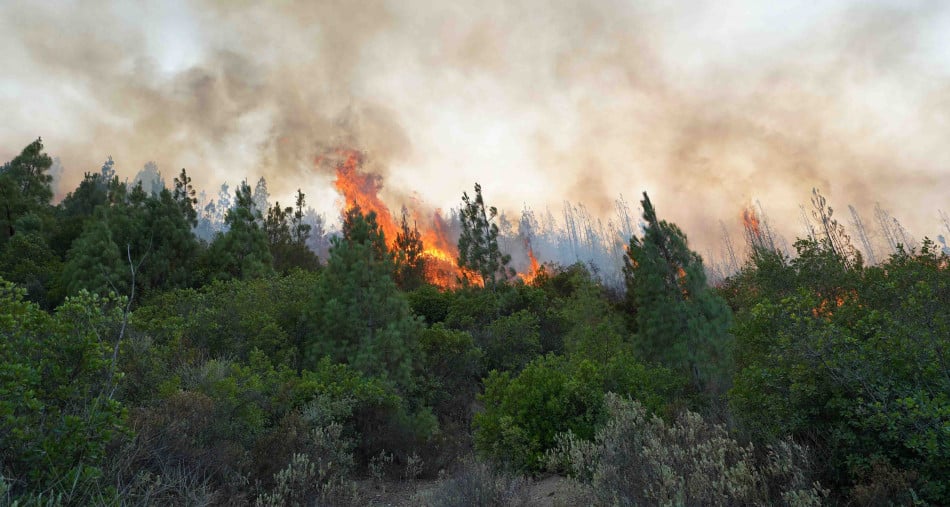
[141,365]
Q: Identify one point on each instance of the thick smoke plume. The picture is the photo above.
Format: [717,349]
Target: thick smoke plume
[709,106]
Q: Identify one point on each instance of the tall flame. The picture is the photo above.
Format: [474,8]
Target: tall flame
[750,221]
[535,266]
[360,188]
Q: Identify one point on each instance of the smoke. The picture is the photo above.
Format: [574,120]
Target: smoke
[706,105]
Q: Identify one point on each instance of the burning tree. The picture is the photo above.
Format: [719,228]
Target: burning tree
[409,255]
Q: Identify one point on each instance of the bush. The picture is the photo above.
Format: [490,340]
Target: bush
[320,475]
[639,459]
[57,411]
[510,342]
[857,367]
[450,372]
[429,303]
[477,483]
[553,394]
[231,319]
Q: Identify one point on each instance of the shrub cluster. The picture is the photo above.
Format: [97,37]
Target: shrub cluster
[640,459]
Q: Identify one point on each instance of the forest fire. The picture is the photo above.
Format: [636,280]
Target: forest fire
[535,266]
[360,188]
[757,232]
[750,221]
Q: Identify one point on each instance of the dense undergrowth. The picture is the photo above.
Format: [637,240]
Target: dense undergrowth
[141,366]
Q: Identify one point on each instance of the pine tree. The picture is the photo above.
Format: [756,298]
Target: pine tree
[410,264]
[680,322]
[260,197]
[300,231]
[360,228]
[92,262]
[242,251]
[358,315]
[184,195]
[24,188]
[478,243]
[171,245]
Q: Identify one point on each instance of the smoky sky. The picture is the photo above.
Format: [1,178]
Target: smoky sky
[708,106]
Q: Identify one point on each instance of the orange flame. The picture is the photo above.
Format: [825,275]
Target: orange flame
[750,221]
[360,188]
[826,309]
[535,266]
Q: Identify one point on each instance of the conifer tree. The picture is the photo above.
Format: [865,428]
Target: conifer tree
[478,242]
[286,237]
[24,187]
[680,322]
[184,195]
[410,264]
[92,262]
[242,251]
[358,315]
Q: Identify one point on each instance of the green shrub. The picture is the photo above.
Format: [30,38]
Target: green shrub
[510,342]
[230,319]
[477,483]
[855,362]
[639,459]
[57,411]
[523,414]
[450,371]
[429,303]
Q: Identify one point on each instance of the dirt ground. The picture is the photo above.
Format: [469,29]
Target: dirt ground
[552,491]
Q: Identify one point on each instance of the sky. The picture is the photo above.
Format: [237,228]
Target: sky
[707,105]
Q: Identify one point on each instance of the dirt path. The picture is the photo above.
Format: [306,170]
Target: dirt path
[552,491]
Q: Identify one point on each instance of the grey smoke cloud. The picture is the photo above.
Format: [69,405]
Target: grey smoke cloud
[707,105]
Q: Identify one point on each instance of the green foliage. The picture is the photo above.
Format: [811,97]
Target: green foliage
[510,342]
[640,459]
[230,319]
[357,315]
[142,239]
[594,330]
[24,188]
[231,421]
[476,310]
[430,303]
[479,254]
[29,262]
[680,322]
[854,360]
[523,414]
[408,249]
[96,189]
[287,237]
[57,412]
[184,195]
[450,371]
[242,251]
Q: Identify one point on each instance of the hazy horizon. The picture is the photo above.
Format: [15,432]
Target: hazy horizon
[708,106]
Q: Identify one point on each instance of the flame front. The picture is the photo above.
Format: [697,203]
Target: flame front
[360,188]
[535,266]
